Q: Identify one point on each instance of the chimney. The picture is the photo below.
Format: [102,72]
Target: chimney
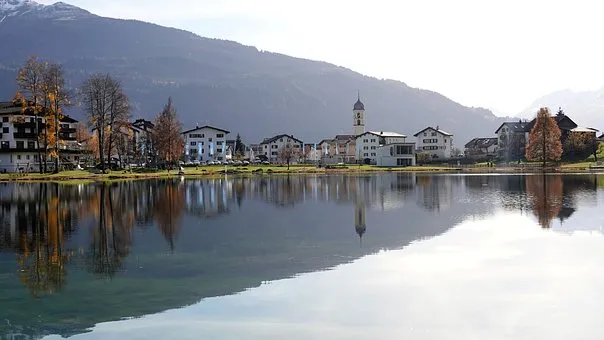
[437,128]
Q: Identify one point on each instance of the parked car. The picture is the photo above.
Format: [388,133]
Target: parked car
[211,163]
[266,163]
[246,163]
[237,163]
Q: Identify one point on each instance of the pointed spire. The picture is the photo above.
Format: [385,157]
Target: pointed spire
[359,95]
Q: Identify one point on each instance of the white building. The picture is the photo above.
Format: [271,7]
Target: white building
[367,144]
[435,142]
[271,146]
[396,154]
[205,143]
[19,131]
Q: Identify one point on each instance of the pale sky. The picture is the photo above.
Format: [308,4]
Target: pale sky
[496,54]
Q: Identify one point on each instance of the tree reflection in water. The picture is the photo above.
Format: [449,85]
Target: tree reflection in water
[545,193]
[42,259]
[169,209]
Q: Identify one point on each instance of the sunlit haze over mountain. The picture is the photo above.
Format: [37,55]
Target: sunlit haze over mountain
[499,55]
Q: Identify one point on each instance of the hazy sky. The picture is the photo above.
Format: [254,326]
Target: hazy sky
[495,54]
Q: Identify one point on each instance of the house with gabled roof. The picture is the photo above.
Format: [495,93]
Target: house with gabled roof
[20,129]
[205,144]
[479,147]
[270,147]
[435,142]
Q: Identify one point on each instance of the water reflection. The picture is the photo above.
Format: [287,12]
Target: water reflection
[221,236]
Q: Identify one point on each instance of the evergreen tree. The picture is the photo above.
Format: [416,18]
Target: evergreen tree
[239,148]
[544,139]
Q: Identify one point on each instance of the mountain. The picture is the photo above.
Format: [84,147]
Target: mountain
[586,108]
[222,83]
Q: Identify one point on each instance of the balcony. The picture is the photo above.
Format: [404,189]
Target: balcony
[67,130]
[63,136]
[24,135]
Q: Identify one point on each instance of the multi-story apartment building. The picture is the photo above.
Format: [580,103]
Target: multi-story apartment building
[367,144]
[20,130]
[435,142]
[271,146]
[205,144]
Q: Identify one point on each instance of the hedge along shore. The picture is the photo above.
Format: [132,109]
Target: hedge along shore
[84,176]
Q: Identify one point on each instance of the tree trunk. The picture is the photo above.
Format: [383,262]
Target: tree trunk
[543,143]
[57,140]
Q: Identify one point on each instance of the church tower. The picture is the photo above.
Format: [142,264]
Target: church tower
[358,117]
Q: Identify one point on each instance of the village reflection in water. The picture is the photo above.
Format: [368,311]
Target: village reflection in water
[237,231]
[38,218]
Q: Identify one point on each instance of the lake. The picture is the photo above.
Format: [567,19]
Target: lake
[388,256]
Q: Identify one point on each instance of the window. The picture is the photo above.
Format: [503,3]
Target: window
[193,143]
[297,146]
[219,135]
[218,143]
[365,148]
[365,140]
[202,151]
[403,150]
[18,157]
[433,134]
[32,120]
[5,119]
[27,157]
[20,145]
[274,153]
[403,162]
[372,140]
[373,148]
[219,150]
[365,154]
[425,134]
[209,139]
[4,145]
[5,130]
[373,154]
[274,146]
[31,145]
[358,122]
[36,158]
[193,151]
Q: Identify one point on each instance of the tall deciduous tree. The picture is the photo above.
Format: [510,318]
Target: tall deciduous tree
[58,97]
[544,139]
[168,139]
[106,106]
[30,81]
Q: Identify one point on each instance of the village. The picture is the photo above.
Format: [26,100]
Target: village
[37,137]
[209,145]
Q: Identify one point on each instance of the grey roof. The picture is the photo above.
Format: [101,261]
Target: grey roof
[272,139]
[518,126]
[206,126]
[437,129]
[481,142]
[10,108]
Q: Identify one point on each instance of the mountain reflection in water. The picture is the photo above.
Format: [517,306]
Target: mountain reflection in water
[72,256]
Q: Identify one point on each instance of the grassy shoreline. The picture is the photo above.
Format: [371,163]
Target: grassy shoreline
[83,176]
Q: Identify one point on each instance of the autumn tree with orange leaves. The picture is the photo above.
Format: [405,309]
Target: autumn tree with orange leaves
[168,138]
[544,139]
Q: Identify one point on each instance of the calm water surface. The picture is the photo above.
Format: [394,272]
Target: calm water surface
[388,256]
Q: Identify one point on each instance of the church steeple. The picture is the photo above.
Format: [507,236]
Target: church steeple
[358,116]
